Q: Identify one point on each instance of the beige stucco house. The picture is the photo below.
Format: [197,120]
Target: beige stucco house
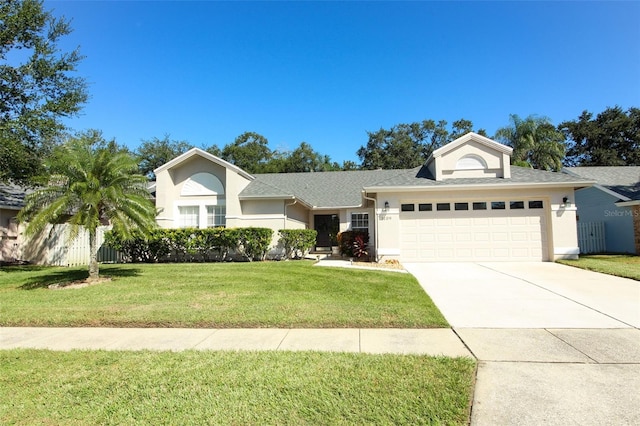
[466,203]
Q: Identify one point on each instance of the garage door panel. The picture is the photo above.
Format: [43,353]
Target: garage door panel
[463,237]
[483,235]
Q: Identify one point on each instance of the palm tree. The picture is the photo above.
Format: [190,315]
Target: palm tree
[91,183]
[535,141]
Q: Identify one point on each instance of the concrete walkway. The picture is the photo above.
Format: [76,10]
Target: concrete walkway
[441,341]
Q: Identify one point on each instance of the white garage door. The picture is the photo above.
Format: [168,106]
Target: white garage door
[473,231]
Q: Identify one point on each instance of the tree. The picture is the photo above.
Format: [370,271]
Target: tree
[91,185]
[408,145]
[535,141]
[153,153]
[305,159]
[37,86]
[249,151]
[611,139]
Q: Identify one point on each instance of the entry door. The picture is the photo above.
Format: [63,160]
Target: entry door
[325,225]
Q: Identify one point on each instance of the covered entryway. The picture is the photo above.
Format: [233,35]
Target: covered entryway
[474,231]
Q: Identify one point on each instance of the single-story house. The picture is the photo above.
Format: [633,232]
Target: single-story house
[466,203]
[612,205]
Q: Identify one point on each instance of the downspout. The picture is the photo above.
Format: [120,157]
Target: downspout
[285,212]
[375,222]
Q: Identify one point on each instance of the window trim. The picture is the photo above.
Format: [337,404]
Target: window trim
[352,221]
[182,216]
[215,214]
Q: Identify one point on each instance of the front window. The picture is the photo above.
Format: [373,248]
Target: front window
[216,216]
[360,221]
[189,216]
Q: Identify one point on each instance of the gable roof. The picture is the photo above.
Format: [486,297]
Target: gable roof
[421,178]
[199,152]
[466,138]
[622,181]
[344,189]
[316,189]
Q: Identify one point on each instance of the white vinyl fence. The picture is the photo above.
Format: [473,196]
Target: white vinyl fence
[591,238]
[55,249]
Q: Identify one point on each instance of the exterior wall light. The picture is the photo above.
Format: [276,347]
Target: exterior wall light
[386,205]
[566,202]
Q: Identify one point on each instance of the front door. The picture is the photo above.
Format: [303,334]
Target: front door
[326,225]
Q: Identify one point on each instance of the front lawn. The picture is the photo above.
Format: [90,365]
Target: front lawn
[621,265]
[217,295]
[245,388]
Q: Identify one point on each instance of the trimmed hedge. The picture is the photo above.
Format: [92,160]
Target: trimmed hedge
[297,242]
[192,244]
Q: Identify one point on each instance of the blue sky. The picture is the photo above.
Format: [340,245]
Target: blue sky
[328,72]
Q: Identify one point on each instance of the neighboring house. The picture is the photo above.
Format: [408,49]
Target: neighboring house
[49,248]
[612,205]
[11,201]
[465,204]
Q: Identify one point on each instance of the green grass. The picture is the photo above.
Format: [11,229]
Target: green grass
[215,295]
[621,265]
[248,388]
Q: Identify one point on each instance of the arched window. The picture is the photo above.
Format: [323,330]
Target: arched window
[202,184]
[471,162]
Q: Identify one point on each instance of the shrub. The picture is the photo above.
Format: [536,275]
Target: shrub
[189,244]
[353,243]
[253,243]
[150,248]
[297,242]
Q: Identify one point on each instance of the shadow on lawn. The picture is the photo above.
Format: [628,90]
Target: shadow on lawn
[67,276]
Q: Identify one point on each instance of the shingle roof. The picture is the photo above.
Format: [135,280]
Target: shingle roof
[519,175]
[344,189]
[12,196]
[624,180]
[317,189]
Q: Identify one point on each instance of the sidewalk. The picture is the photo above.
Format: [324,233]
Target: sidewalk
[442,341]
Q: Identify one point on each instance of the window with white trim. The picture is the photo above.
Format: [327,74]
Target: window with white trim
[360,221]
[188,216]
[216,216]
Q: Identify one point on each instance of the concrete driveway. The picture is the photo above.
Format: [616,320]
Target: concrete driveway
[529,295]
[555,345]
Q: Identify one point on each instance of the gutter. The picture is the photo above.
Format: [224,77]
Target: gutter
[466,187]
[624,203]
[285,212]
[375,221]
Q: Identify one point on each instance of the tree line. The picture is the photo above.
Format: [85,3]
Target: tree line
[610,138]
[39,88]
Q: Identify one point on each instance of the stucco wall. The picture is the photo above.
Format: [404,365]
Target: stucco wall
[9,242]
[169,185]
[444,166]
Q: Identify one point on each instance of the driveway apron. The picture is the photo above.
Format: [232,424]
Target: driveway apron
[555,345]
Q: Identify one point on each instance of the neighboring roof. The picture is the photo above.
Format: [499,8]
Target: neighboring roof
[197,151]
[12,196]
[344,189]
[421,178]
[624,181]
[317,189]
